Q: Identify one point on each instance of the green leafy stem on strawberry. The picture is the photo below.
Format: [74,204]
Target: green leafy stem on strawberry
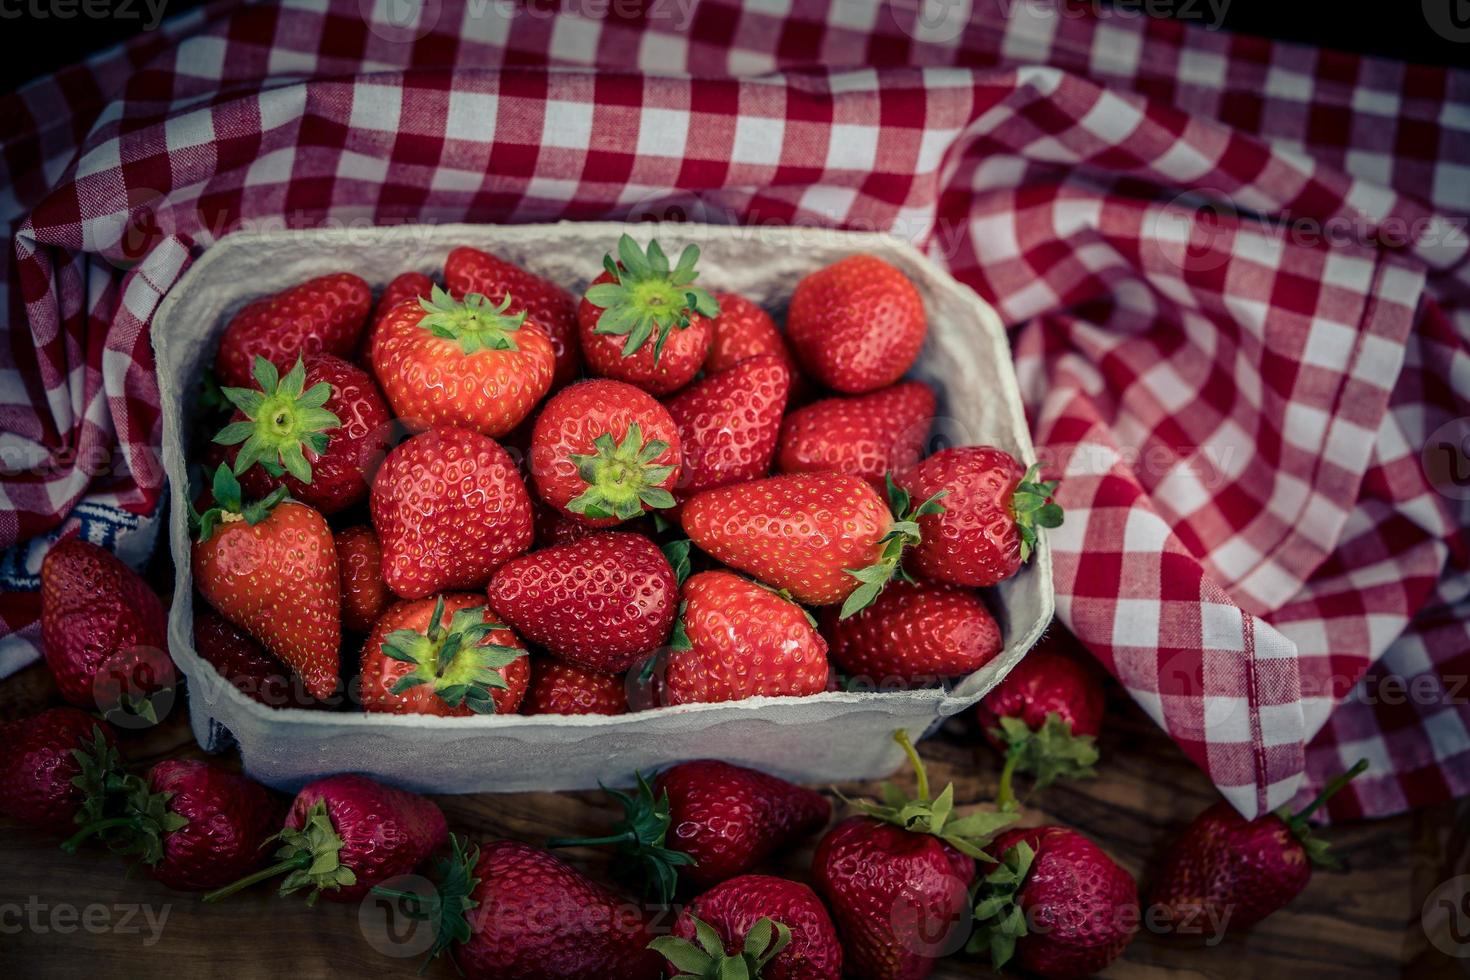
[127,815]
[903,534]
[475,323]
[1001,920]
[622,480]
[281,421]
[461,667]
[1033,507]
[230,505]
[1048,753]
[449,905]
[106,789]
[647,296]
[1318,849]
[707,959]
[308,857]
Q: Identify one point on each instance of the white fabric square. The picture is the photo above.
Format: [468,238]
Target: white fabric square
[662,132]
[567,124]
[376,107]
[852,147]
[758,140]
[471,116]
[1136,623]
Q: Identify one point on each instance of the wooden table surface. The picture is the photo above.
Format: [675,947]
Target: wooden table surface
[69,915]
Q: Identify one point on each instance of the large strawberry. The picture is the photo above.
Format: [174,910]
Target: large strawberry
[450,508]
[604,452]
[865,435]
[1054,903]
[270,567]
[771,928]
[646,323]
[467,362]
[857,324]
[323,315]
[469,270]
[602,602]
[743,330]
[823,537]
[992,511]
[914,633]
[445,655]
[404,286]
[729,422]
[360,564]
[565,689]
[241,661]
[52,763]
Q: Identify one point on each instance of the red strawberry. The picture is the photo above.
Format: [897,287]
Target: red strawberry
[322,315]
[1055,903]
[404,286]
[51,764]
[739,640]
[992,509]
[743,330]
[445,655]
[553,527]
[728,423]
[360,564]
[779,925]
[270,568]
[644,323]
[468,362]
[822,537]
[449,508]
[237,658]
[604,452]
[319,432]
[468,270]
[915,633]
[867,435]
[344,834]
[101,625]
[565,689]
[857,324]
[1225,871]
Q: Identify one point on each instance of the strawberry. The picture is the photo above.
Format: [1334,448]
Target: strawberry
[449,508]
[604,452]
[360,564]
[743,330]
[857,324]
[565,689]
[915,633]
[101,625]
[52,764]
[992,510]
[322,315]
[1225,871]
[1055,903]
[644,323]
[270,568]
[403,287]
[469,270]
[466,362]
[897,877]
[865,435]
[729,422]
[343,835]
[237,658]
[823,537]
[319,431]
[770,927]
[445,655]
[553,527]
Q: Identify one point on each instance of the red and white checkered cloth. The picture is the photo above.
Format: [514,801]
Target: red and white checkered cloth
[1236,271]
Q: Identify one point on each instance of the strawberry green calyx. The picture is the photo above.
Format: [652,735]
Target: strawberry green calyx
[903,534]
[229,505]
[281,421]
[449,907]
[1048,753]
[1032,507]
[453,659]
[1318,850]
[1001,920]
[308,857]
[622,480]
[130,818]
[707,959]
[648,299]
[474,322]
[677,555]
[104,785]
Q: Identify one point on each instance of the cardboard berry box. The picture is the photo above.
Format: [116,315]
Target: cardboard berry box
[832,736]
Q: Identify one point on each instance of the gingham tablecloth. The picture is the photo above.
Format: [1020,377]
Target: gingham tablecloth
[1236,272]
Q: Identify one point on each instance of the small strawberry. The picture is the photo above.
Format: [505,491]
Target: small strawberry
[270,567]
[565,689]
[52,764]
[604,452]
[467,362]
[323,315]
[915,633]
[771,928]
[360,564]
[553,527]
[743,330]
[404,286]
[449,508]
[1225,871]
[344,834]
[469,270]
[644,323]
[729,422]
[857,324]
[1045,716]
[992,510]
[237,658]
[445,655]
[865,435]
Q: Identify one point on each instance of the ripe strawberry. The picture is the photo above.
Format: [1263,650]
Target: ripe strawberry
[857,324]
[360,564]
[604,452]
[468,270]
[565,689]
[729,422]
[101,625]
[992,509]
[743,330]
[601,603]
[1228,872]
[469,362]
[51,764]
[1082,907]
[822,537]
[866,435]
[644,323]
[237,658]
[319,432]
[344,834]
[915,633]
[445,655]
[322,315]
[449,508]
[777,927]
[270,568]
[404,286]
[552,527]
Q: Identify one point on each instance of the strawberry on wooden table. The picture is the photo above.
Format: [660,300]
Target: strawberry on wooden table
[469,270]
[241,661]
[729,423]
[51,764]
[914,633]
[565,689]
[865,435]
[857,324]
[322,315]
